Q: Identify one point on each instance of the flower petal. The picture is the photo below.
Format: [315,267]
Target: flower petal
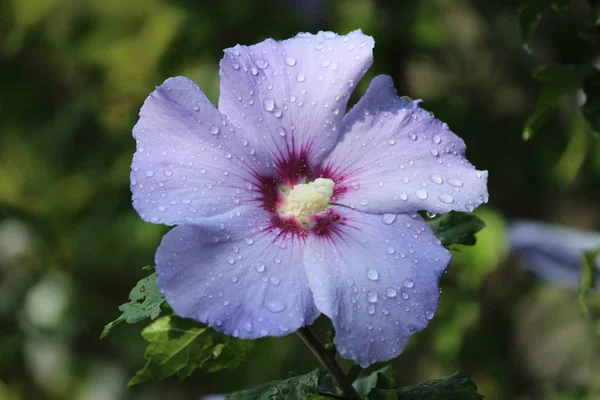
[190,162]
[293,94]
[377,278]
[395,157]
[552,252]
[236,274]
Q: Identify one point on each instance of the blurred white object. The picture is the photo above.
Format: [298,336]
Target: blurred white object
[552,252]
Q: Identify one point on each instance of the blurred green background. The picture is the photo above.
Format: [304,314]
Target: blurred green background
[73,75]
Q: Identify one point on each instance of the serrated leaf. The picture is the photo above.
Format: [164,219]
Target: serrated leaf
[180,346]
[295,388]
[591,108]
[381,379]
[455,387]
[457,228]
[531,11]
[559,80]
[145,302]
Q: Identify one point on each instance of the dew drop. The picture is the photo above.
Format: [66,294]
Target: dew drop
[405,295]
[248,326]
[291,61]
[391,142]
[390,250]
[438,180]
[275,306]
[149,173]
[260,267]
[455,182]
[214,130]
[300,78]
[372,297]
[388,219]
[408,283]
[372,274]
[436,139]
[421,194]
[429,314]
[269,105]
[281,131]
[446,198]
[391,292]
[371,309]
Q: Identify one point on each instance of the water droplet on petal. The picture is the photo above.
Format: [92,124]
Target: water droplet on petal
[248,326]
[275,306]
[371,309]
[455,182]
[291,61]
[388,219]
[281,131]
[429,314]
[372,274]
[269,104]
[446,198]
[421,194]
[372,297]
[390,292]
[149,173]
[438,180]
[390,250]
[408,283]
[214,130]
[436,139]
[300,78]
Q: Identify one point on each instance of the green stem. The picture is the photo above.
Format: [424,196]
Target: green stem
[328,361]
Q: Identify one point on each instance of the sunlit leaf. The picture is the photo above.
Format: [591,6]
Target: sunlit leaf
[456,387]
[145,302]
[531,11]
[295,388]
[457,228]
[180,346]
[558,80]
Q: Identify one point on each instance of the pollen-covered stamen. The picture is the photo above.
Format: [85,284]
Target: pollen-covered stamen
[306,199]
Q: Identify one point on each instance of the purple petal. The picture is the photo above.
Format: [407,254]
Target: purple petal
[236,274]
[551,252]
[293,94]
[189,163]
[377,278]
[395,157]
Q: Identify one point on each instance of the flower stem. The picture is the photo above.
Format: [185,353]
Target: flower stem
[328,361]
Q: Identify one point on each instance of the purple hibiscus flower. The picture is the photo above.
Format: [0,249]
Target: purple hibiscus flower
[552,252]
[286,208]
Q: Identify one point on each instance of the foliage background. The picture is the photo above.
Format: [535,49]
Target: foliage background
[73,75]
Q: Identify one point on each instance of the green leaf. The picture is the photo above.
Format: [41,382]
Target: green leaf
[295,388]
[587,281]
[180,346]
[381,379]
[457,228]
[559,80]
[454,387]
[530,13]
[145,302]
[591,108]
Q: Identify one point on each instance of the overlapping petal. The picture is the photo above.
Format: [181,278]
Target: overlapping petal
[190,162]
[552,252]
[395,157]
[293,94]
[235,274]
[377,278]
